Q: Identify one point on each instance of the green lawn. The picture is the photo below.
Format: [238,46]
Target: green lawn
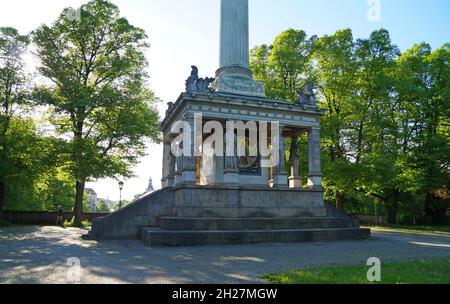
[431,271]
[418,228]
[424,228]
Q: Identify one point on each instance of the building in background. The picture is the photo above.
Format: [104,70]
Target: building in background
[92,199]
[149,190]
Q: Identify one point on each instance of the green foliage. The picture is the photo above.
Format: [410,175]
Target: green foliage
[102,207]
[13,95]
[5,223]
[386,123]
[72,223]
[283,65]
[99,100]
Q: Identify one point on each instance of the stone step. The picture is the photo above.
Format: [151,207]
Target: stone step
[228,224]
[156,237]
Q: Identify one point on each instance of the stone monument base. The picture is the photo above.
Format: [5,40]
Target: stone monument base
[194,215]
[248,202]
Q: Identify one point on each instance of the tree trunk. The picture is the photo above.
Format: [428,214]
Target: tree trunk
[2,198]
[360,141]
[78,210]
[340,197]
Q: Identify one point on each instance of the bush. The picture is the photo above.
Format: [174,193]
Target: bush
[406,220]
[426,221]
[71,223]
[5,223]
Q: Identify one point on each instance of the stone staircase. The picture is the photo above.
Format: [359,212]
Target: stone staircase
[173,231]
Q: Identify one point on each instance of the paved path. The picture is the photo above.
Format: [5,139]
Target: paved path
[39,255]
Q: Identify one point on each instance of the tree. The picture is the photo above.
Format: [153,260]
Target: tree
[101,105]
[13,92]
[423,92]
[102,207]
[386,123]
[336,77]
[284,66]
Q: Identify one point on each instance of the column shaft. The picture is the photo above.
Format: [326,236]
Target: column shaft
[314,160]
[234,37]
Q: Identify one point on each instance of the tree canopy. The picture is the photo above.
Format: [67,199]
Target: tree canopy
[386,124]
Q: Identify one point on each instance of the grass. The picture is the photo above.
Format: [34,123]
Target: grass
[418,228]
[431,271]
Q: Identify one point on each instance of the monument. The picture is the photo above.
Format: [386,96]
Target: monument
[213,198]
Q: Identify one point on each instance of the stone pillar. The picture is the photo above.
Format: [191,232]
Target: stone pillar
[295,181]
[168,170]
[178,175]
[234,40]
[314,161]
[231,171]
[188,164]
[280,178]
[165,165]
[170,182]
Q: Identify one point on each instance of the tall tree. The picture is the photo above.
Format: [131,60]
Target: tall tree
[423,112]
[285,65]
[99,98]
[336,72]
[13,93]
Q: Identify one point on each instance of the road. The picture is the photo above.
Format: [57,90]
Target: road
[42,255]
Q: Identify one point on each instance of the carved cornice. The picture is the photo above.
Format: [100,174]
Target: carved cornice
[229,105]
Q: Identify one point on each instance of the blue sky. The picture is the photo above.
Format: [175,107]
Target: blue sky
[183,33]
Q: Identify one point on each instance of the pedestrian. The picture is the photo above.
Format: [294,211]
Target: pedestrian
[59,216]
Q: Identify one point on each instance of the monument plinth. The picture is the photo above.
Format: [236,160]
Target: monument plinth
[216,199]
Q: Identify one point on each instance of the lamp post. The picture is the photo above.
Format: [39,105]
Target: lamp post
[120,199]
[376,201]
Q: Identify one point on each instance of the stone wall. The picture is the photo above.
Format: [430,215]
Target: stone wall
[43,217]
[127,222]
[371,219]
[244,202]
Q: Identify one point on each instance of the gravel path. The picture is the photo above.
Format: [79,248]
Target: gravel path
[40,255]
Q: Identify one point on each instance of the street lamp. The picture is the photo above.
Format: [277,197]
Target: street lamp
[120,188]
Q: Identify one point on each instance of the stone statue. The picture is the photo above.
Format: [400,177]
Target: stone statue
[170,106]
[307,95]
[194,84]
[294,157]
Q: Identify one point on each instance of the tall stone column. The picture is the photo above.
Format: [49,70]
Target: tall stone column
[234,40]
[314,160]
[280,178]
[234,75]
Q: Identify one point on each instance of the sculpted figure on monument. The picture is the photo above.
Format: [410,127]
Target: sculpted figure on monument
[170,106]
[194,84]
[307,95]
